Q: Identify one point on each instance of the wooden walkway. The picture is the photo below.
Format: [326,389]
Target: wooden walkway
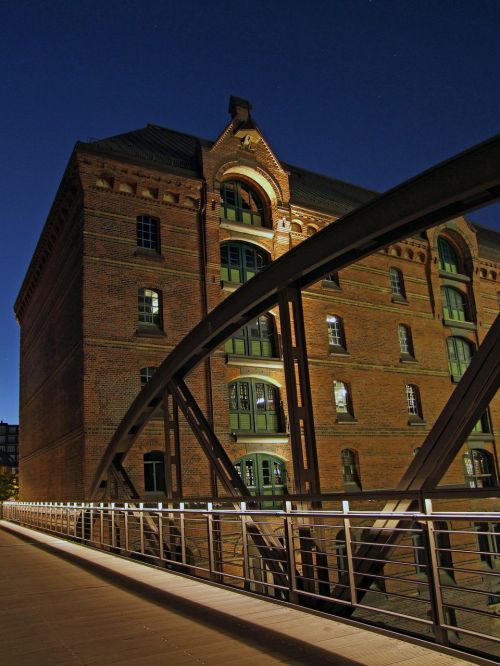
[66,604]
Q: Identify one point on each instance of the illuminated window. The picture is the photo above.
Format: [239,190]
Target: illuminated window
[343,403]
[460,353]
[256,339]
[147,233]
[154,471]
[150,308]
[336,335]
[263,474]
[454,304]
[397,283]
[254,406]
[241,261]
[478,469]
[405,341]
[241,203]
[413,404]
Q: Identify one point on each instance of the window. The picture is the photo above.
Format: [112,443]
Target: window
[336,335]
[147,233]
[459,356]
[241,203]
[256,339]
[405,342]
[263,474]
[448,258]
[478,469]
[332,279]
[254,406]
[241,261]
[397,284]
[146,374]
[454,304]
[154,472]
[150,308]
[350,468]
[488,542]
[343,403]
[413,403]
[482,426]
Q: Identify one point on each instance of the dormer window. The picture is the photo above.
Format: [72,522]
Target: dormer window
[240,203]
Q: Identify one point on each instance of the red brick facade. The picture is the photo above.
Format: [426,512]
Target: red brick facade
[82,348]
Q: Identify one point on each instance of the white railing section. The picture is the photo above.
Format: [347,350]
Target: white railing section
[431,574]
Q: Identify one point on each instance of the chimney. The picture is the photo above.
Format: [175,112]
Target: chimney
[239,108]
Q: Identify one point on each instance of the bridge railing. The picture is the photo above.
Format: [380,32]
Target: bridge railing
[431,572]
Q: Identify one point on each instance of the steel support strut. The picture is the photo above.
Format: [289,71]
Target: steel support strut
[298,391]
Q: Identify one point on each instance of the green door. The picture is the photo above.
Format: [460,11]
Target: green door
[263,474]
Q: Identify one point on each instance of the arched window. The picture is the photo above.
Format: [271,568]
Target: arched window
[241,203]
[254,406]
[256,339]
[263,474]
[336,334]
[241,261]
[343,402]
[350,467]
[454,304]
[150,308]
[405,342]
[148,233]
[154,471]
[397,283]
[413,404]
[460,353]
[478,469]
[448,257]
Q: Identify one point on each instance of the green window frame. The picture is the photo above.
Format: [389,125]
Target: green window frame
[239,262]
[454,304]
[448,257]
[241,203]
[257,339]
[154,472]
[254,406]
[263,474]
[460,352]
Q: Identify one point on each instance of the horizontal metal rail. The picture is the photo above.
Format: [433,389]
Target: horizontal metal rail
[440,581]
[465,182]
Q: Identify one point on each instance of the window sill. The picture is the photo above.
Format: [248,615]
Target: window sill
[478,437]
[408,358]
[261,437]
[329,284]
[400,300]
[457,277]
[416,421]
[150,332]
[346,418]
[243,228]
[254,361]
[152,255]
[456,323]
[230,286]
[337,350]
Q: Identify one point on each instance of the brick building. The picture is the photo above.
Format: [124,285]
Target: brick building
[150,230]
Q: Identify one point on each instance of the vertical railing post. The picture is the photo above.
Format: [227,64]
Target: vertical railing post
[160,532]
[293,596]
[244,537]
[210,535]
[101,524]
[141,525]
[182,527]
[83,521]
[113,534]
[125,520]
[91,516]
[436,598]
[348,548]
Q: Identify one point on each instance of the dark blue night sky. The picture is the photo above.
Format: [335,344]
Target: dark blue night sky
[369,91]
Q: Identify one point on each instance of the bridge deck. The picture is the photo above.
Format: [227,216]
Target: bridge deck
[67,604]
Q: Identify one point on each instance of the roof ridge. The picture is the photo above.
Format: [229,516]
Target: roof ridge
[322,175]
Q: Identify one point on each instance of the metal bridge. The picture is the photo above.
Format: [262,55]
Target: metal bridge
[316,552]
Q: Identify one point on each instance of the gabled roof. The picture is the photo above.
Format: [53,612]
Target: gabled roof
[168,148]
